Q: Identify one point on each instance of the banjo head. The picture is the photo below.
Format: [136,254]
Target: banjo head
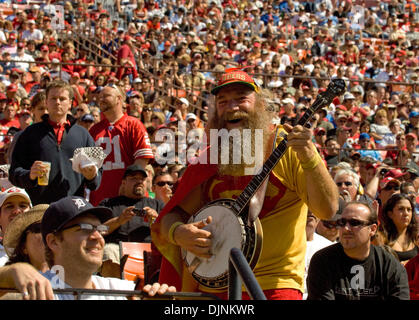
[228,231]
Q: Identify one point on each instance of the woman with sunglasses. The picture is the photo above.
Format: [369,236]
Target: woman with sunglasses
[399,227]
[146,115]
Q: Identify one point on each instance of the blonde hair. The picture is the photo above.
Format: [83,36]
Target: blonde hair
[382,112]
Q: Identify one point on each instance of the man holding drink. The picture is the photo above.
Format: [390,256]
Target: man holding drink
[40,161]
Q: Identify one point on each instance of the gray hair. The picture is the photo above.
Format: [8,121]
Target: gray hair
[349,172]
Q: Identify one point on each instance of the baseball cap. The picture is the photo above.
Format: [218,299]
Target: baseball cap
[288,100]
[12,87]
[75,75]
[413,114]
[319,129]
[137,80]
[395,173]
[20,45]
[87,118]
[364,136]
[190,116]
[341,107]
[184,101]
[134,94]
[411,135]
[235,75]
[59,213]
[14,191]
[133,169]
[384,182]
[348,96]
[2,96]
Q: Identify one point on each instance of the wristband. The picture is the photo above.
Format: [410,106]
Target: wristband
[172,231]
[312,163]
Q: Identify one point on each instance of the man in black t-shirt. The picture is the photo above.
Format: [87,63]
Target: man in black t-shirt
[354,269]
[133,212]
[127,224]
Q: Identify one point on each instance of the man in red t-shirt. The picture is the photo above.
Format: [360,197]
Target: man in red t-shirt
[123,138]
[126,57]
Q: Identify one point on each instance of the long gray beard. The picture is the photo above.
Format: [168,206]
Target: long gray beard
[246,149]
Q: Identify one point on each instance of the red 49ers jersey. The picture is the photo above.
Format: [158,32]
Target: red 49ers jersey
[124,142]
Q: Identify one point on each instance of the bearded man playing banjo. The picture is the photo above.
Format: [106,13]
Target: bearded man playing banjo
[193,231]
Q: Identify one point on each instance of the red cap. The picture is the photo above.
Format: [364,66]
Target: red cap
[412,135]
[395,173]
[76,75]
[167,44]
[319,129]
[44,48]
[12,36]
[305,88]
[341,107]
[235,75]
[257,44]
[384,182]
[20,45]
[2,96]
[12,87]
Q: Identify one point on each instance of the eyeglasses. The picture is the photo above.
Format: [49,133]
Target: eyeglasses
[34,228]
[89,228]
[353,223]
[347,183]
[392,187]
[329,224]
[163,183]
[79,110]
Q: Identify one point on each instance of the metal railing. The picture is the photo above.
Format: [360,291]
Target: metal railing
[141,295]
[239,271]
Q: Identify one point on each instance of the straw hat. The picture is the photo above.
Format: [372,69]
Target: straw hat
[19,224]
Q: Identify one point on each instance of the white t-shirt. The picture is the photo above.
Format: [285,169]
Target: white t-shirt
[318,242]
[99,283]
[3,256]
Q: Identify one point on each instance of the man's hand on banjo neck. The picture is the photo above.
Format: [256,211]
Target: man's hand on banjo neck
[193,238]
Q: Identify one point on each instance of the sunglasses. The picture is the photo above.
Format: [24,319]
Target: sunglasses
[322,133]
[163,183]
[34,227]
[329,224]
[347,183]
[353,223]
[89,228]
[392,187]
[147,109]
[26,104]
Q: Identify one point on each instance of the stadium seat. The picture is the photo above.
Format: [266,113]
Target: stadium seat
[132,261]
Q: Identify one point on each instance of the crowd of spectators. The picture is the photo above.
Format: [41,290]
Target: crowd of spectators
[165,56]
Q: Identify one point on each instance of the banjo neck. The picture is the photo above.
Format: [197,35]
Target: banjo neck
[336,87]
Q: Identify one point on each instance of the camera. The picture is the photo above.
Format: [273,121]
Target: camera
[139,212]
[383,171]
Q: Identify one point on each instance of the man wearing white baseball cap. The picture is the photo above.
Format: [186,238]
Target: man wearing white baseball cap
[13,201]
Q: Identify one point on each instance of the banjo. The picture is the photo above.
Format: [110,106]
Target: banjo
[228,227]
